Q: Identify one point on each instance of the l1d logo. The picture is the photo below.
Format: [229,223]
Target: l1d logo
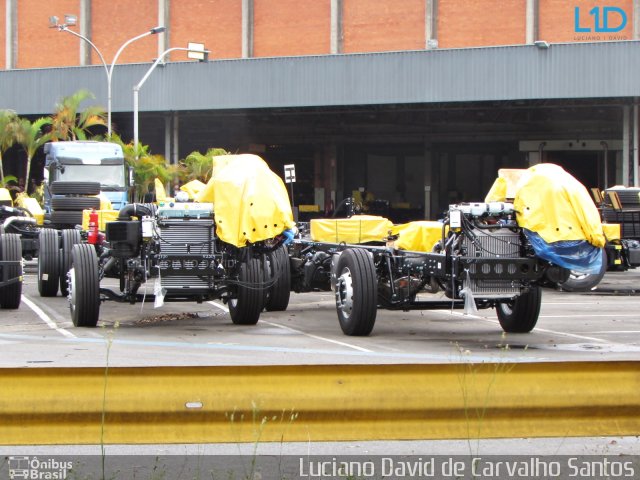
[605,20]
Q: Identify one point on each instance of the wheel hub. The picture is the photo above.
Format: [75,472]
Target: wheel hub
[344,292]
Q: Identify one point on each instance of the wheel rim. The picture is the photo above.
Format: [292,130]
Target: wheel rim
[72,289]
[573,275]
[507,308]
[344,292]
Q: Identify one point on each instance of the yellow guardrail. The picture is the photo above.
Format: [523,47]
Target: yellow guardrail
[317,402]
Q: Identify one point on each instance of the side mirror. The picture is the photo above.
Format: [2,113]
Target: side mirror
[131,177]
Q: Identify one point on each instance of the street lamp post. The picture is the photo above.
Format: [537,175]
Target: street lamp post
[71,20]
[196,51]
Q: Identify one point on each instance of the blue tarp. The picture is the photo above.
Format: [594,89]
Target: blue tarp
[577,255]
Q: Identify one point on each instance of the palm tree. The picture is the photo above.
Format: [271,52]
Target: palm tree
[31,137]
[69,123]
[8,121]
[198,166]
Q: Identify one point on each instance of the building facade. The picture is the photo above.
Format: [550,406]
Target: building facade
[417,101]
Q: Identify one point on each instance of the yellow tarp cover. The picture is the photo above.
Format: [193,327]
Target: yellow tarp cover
[161,193]
[504,187]
[31,205]
[552,203]
[5,195]
[193,188]
[611,231]
[357,229]
[251,202]
[418,236]
[104,216]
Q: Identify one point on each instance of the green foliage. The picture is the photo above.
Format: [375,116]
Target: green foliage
[4,182]
[198,166]
[8,120]
[70,123]
[31,137]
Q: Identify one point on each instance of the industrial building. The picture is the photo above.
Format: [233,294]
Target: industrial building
[419,102]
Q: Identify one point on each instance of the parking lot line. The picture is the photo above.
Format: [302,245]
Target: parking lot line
[316,337]
[45,318]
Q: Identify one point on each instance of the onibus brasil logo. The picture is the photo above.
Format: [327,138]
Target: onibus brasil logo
[21,467]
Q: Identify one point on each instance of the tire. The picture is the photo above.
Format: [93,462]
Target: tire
[75,204]
[48,263]
[279,272]
[75,188]
[246,308]
[84,286]
[521,314]
[69,239]
[580,282]
[66,218]
[356,289]
[11,250]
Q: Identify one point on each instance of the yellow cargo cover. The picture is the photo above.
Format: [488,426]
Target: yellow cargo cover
[418,236]
[611,231]
[357,229]
[5,196]
[161,193]
[251,202]
[552,203]
[31,205]
[104,216]
[193,188]
[504,187]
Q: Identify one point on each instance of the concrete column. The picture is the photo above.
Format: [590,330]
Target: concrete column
[336,26]
[164,11]
[636,19]
[11,34]
[635,125]
[175,154]
[431,24]
[626,128]
[167,137]
[429,190]
[85,30]
[532,21]
[247,28]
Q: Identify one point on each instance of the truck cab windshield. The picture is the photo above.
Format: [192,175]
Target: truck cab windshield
[111,177]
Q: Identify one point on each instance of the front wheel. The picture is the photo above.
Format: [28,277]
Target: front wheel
[11,250]
[520,315]
[246,307]
[84,286]
[356,292]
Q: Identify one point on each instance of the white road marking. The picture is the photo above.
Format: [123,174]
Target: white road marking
[46,319]
[316,337]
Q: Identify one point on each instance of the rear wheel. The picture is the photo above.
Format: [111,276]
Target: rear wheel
[69,239]
[75,188]
[48,263]
[75,204]
[356,292]
[84,286]
[11,250]
[279,278]
[520,315]
[246,307]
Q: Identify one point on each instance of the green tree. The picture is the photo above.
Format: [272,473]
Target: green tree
[198,166]
[31,137]
[70,123]
[8,120]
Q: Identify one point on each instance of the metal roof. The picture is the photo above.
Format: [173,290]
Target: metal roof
[522,72]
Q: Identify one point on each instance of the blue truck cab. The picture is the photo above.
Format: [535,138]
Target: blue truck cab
[87,161]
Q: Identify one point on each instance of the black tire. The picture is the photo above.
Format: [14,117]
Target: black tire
[356,289]
[579,282]
[11,250]
[48,263]
[66,218]
[521,314]
[246,308]
[279,272]
[84,287]
[75,204]
[75,188]
[69,239]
